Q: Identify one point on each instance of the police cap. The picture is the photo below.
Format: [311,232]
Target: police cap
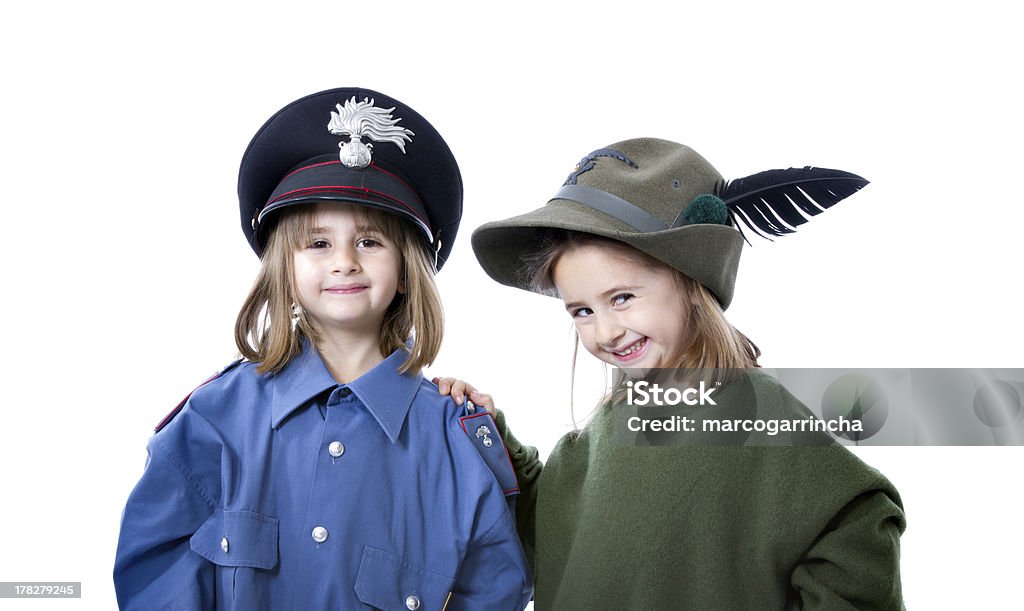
[351,145]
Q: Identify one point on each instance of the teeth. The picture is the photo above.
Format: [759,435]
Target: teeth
[632,348]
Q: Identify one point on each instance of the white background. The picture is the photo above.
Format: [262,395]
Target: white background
[122,126]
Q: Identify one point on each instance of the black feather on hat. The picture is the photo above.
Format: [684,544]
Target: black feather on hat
[762,199]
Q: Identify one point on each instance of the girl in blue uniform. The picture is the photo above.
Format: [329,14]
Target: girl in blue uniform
[323,471]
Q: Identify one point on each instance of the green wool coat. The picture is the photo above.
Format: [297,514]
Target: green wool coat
[620,520]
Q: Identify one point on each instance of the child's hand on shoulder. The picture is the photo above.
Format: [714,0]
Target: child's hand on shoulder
[459,390]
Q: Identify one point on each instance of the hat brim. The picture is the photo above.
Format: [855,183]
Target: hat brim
[707,253]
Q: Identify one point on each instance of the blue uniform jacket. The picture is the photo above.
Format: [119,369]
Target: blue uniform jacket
[291,491]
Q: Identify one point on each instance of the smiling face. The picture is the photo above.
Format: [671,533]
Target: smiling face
[347,274]
[629,311]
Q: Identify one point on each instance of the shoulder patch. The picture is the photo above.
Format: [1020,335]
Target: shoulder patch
[177,408]
[483,433]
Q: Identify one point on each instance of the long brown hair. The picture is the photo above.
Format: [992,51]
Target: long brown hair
[263,329]
[714,347]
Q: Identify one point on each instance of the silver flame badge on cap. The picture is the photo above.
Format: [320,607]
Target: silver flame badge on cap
[362,119]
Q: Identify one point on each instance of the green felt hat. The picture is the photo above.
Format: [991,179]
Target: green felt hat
[667,201]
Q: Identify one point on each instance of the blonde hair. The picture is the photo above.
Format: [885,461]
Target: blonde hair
[263,329]
[714,346]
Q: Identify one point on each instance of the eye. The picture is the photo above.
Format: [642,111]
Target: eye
[621,299]
[369,243]
[582,312]
[319,243]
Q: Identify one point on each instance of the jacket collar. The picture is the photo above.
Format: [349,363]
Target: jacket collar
[387,394]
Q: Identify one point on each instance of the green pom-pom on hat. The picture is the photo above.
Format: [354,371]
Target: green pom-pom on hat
[707,209]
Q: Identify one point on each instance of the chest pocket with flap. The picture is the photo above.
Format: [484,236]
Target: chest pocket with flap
[243,545]
[389,582]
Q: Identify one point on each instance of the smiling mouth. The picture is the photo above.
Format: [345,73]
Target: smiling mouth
[346,290]
[633,351]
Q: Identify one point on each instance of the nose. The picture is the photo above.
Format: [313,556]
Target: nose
[608,331]
[346,260]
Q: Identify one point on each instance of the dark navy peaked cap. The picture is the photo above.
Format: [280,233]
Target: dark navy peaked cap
[295,159]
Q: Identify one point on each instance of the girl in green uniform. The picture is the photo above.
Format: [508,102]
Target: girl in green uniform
[642,243]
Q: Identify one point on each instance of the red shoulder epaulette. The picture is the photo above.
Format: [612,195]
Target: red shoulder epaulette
[174,412]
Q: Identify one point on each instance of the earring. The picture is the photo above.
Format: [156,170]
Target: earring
[296,315]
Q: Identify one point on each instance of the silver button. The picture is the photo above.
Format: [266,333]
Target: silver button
[412,602]
[224,545]
[336,448]
[319,534]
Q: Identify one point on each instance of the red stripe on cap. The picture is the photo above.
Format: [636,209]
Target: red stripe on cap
[315,165]
[398,178]
[372,165]
[349,188]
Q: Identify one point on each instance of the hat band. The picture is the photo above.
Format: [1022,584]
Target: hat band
[332,181]
[614,206]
